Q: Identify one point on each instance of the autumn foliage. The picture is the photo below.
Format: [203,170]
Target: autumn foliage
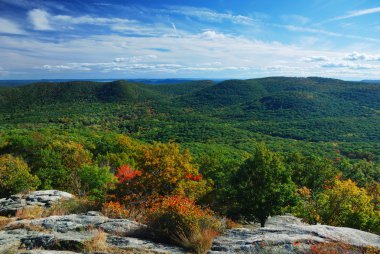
[126,173]
[114,210]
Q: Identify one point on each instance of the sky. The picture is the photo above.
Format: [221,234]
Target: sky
[91,39]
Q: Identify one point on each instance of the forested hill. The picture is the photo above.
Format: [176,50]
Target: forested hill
[284,112]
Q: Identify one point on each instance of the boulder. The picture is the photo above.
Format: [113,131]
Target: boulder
[45,199]
[287,234]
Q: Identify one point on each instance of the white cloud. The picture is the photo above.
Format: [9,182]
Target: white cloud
[212,35]
[43,20]
[350,65]
[9,27]
[134,59]
[40,19]
[209,15]
[208,53]
[355,56]
[70,67]
[89,20]
[358,13]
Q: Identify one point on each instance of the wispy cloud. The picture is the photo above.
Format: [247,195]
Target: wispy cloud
[44,21]
[209,15]
[309,30]
[89,20]
[358,13]
[304,29]
[9,27]
[134,59]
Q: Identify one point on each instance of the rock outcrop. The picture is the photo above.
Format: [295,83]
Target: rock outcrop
[70,232]
[45,198]
[287,234]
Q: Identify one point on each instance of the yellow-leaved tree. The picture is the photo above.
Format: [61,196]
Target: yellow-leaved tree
[341,203]
[15,176]
[346,204]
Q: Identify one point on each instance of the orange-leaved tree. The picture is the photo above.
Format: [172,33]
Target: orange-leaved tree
[161,170]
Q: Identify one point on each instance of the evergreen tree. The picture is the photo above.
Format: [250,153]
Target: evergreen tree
[263,186]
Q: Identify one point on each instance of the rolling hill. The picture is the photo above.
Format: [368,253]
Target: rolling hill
[285,112]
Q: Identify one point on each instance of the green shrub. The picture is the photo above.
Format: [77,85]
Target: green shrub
[95,181]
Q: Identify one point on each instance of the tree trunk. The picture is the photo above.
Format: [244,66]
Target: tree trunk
[262,222]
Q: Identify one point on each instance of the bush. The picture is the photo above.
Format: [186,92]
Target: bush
[178,220]
[95,182]
[15,176]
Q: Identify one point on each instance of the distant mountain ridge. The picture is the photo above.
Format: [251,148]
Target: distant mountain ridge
[145,81]
[371,81]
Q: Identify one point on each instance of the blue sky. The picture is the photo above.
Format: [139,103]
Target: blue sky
[189,39]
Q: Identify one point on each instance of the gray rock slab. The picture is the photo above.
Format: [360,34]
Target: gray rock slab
[135,243]
[280,234]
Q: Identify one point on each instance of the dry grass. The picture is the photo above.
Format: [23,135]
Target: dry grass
[69,206]
[199,241]
[28,226]
[117,211]
[9,249]
[230,224]
[4,221]
[28,213]
[97,243]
